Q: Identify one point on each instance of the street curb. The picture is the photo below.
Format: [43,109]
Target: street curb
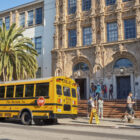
[99,126]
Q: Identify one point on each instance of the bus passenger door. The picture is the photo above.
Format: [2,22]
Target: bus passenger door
[66,99]
[74,101]
[59,98]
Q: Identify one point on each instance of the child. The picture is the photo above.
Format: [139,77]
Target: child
[100,107]
[90,105]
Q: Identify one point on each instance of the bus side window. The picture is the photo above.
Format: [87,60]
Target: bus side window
[29,90]
[73,92]
[59,90]
[2,91]
[66,91]
[10,91]
[42,89]
[19,90]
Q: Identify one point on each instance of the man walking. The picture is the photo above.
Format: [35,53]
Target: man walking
[130,105]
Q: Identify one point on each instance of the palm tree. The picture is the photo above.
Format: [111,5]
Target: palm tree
[17,54]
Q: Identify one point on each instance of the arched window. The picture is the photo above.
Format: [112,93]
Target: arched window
[81,66]
[123,62]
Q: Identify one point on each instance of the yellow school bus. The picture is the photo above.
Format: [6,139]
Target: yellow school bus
[39,99]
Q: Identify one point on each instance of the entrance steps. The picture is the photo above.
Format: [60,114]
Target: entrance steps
[112,108]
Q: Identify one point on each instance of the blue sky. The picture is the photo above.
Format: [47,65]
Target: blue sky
[6,4]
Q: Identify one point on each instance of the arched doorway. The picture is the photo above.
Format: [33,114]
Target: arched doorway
[81,72]
[123,68]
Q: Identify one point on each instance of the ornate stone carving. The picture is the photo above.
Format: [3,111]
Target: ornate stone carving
[119,4]
[102,28]
[122,48]
[102,6]
[119,22]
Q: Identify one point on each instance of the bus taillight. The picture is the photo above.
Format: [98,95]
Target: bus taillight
[74,102]
[59,100]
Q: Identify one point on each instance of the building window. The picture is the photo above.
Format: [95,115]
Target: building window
[1,22]
[112,32]
[126,0]
[110,2]
[71,6]
[22,19]
[38,73]
[81,66]
[14,18]
[39,16]
[123,63]
[87,36]
[86,5]
[72,38]
[30,18]
[130,28]
[38,44]
[7,22]
[42,89]
[29,90]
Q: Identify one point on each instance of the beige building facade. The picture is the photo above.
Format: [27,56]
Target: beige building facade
[111,57]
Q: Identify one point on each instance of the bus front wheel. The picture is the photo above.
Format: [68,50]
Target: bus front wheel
[26,118]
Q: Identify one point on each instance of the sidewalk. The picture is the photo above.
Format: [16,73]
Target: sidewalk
[106,122]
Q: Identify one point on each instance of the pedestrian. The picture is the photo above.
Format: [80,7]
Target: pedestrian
[130,103]
[90,105]
[100,108]
[78,91]
[111,92]
[102,90]
[105,91]
[92,90]
[98,89]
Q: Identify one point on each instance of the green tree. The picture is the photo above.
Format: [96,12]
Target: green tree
[17,54]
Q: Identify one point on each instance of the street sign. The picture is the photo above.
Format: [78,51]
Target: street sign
[40,101]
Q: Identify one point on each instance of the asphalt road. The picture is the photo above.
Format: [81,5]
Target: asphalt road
[16,131]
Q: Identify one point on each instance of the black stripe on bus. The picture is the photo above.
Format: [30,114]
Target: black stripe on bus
[25,98]
[53,104]
[35,111]
[9,111]
[74,106]
[41,111]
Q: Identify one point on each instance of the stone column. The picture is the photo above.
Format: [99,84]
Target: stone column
[78,25]
[119,4]
[138,22]
[64,36]
[56,37]
[137,2]
[64,10]
[79,32]
[79,8]
[64,26]
[34,17]
[11,17]
[93,30]
[93,7]
[57,11]
[120,26]
[26,17]
[102,6]
[102,28]
[17,18]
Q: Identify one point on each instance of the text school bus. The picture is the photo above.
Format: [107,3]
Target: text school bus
[39,99]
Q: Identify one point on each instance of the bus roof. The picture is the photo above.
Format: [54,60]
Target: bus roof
[27,80]
[33,80]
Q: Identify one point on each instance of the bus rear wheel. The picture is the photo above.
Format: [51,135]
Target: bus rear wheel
[26,118]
